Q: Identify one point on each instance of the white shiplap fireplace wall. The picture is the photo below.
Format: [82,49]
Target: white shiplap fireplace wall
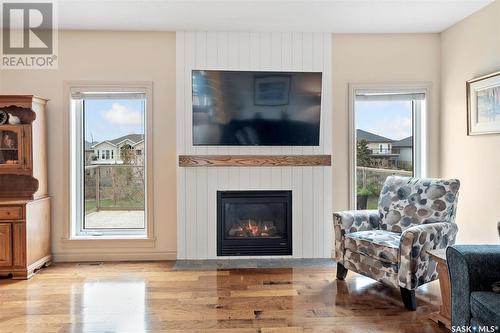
[197,186]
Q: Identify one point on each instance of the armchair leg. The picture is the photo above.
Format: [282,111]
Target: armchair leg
[409,299]
[341,271]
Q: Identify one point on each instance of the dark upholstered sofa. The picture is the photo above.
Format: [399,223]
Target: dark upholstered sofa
[473,270]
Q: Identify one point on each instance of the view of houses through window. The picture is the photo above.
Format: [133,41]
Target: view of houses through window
[385,126]
[114,163]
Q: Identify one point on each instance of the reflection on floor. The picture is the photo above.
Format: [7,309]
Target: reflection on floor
[151,297]
[115,219]
[125,305]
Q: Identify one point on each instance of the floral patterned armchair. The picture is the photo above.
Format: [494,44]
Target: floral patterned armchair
[390,244]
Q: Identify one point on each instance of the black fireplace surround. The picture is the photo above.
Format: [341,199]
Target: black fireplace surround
[254,223]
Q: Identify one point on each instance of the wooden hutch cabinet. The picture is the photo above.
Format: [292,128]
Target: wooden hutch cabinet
[24,201]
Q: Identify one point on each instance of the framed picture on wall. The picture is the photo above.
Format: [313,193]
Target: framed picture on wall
[483,105]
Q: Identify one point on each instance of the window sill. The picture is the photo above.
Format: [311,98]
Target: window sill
[109,241]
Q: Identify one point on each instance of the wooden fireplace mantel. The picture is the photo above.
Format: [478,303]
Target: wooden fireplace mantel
[253,160]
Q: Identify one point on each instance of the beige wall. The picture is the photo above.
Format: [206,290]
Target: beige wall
[470,49]
[395,58]
[110,56]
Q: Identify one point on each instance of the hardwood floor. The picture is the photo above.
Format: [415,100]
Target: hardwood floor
[151,297]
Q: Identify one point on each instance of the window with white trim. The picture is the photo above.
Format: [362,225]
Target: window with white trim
[388,140]
[109,197]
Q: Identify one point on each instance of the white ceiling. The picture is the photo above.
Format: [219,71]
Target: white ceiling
[355,16]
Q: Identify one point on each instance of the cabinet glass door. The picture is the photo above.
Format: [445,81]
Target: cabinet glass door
[9,147]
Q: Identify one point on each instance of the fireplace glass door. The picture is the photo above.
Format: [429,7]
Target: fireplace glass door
[12,151]
[254,222]
[9,147]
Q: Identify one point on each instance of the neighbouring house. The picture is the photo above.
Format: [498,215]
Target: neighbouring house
[376,143]
[404,149]
[388,153]
[127,149]
[89,152]
[381,148]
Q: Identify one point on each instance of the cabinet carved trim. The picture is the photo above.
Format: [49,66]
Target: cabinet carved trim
[26,115]
[17,186]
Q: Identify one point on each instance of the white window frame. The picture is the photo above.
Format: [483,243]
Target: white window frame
[420,126]
[74,228]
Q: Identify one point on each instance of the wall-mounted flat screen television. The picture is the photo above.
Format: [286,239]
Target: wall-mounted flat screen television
[240,108]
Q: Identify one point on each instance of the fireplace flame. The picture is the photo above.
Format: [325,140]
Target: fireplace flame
[248,227]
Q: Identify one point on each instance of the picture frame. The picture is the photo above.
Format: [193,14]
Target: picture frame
[272,90]
[483,105]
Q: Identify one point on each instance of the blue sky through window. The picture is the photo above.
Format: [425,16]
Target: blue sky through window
[392,119]
[113,118]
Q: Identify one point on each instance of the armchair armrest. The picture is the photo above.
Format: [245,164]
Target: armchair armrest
[472,268]
[351,221]
[415,267]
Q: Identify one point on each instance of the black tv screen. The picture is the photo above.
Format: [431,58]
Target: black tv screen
[256,108]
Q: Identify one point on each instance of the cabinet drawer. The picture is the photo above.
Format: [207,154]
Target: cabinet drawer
[11,213]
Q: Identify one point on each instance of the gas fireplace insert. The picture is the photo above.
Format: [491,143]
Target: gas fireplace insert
[254,223]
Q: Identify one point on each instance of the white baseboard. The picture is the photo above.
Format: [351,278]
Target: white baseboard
[131,256]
